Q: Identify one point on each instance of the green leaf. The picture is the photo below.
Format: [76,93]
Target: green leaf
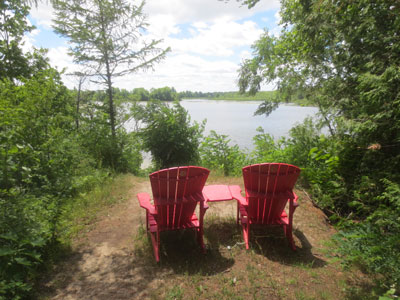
[23,261]
[7,251]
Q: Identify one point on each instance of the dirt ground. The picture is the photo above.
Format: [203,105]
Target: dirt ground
[114,260]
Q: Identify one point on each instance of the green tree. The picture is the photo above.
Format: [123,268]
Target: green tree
[344,56]
[168,134]
[141,94]
[38,157]
[14,63]
[106,40]
[13,26]
[164,94]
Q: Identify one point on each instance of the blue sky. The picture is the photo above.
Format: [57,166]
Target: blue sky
[208,38]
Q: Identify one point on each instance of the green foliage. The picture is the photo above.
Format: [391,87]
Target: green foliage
[375,244]
[37,162]
[374,250]
[267,149]
[141,94]
[35,118]
[104,35]
[303,138]
[168,134]
[175,293]
[120,155]
[294,149]
[343,56]
[112,29]
[322,176]
[164,94]
[217,154]
[13,25]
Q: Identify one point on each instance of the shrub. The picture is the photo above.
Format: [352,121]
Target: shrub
[217,154]
[38,161]
[169,135]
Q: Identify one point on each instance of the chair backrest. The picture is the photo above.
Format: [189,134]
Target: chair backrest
[267,186]
[176,192]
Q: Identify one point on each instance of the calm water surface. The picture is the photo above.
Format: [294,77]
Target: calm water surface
[236,118]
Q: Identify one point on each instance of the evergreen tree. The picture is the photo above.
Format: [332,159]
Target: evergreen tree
[106,39]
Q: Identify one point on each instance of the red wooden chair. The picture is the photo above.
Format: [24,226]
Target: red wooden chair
[269,186]
[176,192]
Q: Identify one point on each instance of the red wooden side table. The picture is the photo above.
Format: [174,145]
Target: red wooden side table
[220,192]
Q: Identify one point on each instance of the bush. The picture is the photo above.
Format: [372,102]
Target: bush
[269,150]
[169,135]
[95,136]
[217,154]
[38,161]
[374,244]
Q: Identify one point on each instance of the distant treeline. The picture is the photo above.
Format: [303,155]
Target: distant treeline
[170,94]
[141,94]
[269,95]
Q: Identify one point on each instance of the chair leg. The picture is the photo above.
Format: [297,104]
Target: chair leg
[246,234]
[200,239]
[155,240]
[289,236]
[237,213]
[147,221]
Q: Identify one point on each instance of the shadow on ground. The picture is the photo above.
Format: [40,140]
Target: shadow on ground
[181,254]
[112,275]
[271,242]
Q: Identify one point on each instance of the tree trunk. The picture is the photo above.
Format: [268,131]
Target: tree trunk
[109,86]
[111,106]
[78,100]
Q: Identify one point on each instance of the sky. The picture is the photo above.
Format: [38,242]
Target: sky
[208,39]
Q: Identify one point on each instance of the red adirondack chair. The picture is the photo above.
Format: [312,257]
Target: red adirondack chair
[176,192]
[269,186]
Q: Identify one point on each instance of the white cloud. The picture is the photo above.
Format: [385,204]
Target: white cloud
[186,11]
[217,39]
[206,36]
[43,14]
[245,55]
[186,72]
[28,40]
[162,26]
[276,31]
[59,56]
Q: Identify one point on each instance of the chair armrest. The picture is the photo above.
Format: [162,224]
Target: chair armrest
[295,200]
[293,195]
[236,194]
[201,197]
[144,201]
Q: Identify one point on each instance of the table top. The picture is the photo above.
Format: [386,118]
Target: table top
[217,192]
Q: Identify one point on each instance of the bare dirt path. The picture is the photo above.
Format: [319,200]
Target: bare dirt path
[101,266]
[105,263]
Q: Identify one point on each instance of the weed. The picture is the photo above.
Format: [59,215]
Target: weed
[323,295]
[176,293]
[300,295]
[314,274]
[292,281]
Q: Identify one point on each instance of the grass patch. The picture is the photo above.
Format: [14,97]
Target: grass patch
[81,212]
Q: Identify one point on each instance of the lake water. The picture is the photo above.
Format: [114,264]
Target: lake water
[236,118]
